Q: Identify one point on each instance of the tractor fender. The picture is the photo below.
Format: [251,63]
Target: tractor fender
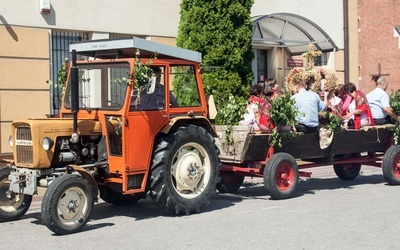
[200,121]
[88,177]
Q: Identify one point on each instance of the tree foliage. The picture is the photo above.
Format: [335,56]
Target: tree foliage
[62,75]
[221,30]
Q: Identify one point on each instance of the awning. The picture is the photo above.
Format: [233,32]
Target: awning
[289,31]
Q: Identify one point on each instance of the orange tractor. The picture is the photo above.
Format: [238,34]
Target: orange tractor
[122,133]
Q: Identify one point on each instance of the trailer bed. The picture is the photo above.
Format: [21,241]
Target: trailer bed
[254,146]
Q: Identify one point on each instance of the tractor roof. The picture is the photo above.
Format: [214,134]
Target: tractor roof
[126,47]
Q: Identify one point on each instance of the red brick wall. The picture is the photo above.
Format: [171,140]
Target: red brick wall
[377,43]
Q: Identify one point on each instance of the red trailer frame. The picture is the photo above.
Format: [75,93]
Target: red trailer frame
[281,167]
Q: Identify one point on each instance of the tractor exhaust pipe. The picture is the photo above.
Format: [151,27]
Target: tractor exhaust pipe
[74,97]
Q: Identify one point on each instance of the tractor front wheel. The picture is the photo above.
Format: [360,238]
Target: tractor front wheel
[67,204]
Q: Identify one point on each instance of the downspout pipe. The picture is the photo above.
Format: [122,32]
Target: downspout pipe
[346,40]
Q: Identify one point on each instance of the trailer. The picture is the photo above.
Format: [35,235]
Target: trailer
[252,154]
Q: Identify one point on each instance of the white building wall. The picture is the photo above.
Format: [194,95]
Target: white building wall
[153,17]
[140,17]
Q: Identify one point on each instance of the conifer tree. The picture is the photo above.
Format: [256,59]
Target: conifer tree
[221,30]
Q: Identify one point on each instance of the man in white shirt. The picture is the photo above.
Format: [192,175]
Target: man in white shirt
[378,101]
[308,104]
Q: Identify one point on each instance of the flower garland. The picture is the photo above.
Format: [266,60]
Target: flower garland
[313,76]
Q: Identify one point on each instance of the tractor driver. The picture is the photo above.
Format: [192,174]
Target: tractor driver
[152,98]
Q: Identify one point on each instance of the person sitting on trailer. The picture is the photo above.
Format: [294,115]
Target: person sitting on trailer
[359,109]
[270,88]
[378,100]
[346,99]
[255,114]
[335,103]
[308,104]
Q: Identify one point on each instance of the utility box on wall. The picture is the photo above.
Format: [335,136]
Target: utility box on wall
[44,6]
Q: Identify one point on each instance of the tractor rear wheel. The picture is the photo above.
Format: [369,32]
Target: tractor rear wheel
[67,204]
[184,170]
[12,206]
[391,165]
[281,176]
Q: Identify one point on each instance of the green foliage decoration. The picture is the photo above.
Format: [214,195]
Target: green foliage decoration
[62,75]
[282,113]
[232,111]
[142,72]
[222,31]
[396,134]
[231,114]
[331,121]
[394,102]
[228,137]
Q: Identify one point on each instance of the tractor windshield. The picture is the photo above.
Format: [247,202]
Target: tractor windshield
[101,86]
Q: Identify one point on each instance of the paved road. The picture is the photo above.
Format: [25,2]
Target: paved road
[325,213]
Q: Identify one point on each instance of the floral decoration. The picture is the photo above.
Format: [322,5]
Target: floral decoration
[311,54]
[312,75]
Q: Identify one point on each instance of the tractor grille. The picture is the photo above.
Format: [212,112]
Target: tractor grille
[24,145]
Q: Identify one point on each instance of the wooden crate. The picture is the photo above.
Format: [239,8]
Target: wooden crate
[231,153]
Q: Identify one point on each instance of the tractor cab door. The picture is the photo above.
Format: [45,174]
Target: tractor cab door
[146,117]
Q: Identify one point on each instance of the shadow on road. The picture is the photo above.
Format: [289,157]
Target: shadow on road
[146,208]
[305,186]
[311,185]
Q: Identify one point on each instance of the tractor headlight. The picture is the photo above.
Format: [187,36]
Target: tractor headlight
[47,143]
[10,141]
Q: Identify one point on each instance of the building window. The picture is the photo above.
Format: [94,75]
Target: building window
[60,41]
[322,60]
[116,36]
[260,69]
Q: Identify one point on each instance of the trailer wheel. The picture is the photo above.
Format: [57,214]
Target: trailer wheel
[184,170]
[391,165]
[281,176]
[67,204]
[230,183]
[12,206]
[347,171]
